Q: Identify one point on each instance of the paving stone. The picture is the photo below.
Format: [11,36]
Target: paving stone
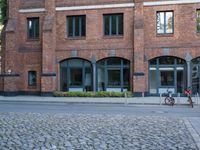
[89,132]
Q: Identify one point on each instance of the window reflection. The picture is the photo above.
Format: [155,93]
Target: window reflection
[165,22]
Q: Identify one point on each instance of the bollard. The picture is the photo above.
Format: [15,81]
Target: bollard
[143,94]
[126,100]
[178,98]
[143,97]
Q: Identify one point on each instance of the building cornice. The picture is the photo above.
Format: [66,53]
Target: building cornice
[105,6]
[32,10]
[171,2]
[108,6]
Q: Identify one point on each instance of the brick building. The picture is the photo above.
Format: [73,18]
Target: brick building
[143,46]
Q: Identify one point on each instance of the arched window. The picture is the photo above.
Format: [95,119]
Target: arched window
[76,75]
[113,74]
[196,75]
[167,73]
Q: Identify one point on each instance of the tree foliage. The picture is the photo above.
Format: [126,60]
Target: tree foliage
[3,11]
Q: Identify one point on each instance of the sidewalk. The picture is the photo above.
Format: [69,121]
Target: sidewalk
[132,100]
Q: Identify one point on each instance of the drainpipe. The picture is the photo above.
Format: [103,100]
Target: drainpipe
[188,74]
[93,60]
[188,59]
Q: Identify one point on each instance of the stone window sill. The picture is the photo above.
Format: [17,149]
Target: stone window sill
[32,87]
[113,37]
[33,40]
[75,38]
[165,35]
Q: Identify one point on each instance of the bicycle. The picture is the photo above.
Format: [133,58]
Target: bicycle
[169,100]
[188,92]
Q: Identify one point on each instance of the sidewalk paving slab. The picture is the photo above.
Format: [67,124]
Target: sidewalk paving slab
[132,100]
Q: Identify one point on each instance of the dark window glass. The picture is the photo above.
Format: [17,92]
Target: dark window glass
[153,62]
[153,81]
[32,78]
[180,61]
[126,76]
[166,60]
[167,77]
[70,26]
[114,61]
[33,28]
[180,81]
[107,25]
[76,26]
[83,26]
[126,62]
[196,61]
[165,22]
[113,78]
[195,79]
[113,24]
[76,77]
[121,25]
[198,21]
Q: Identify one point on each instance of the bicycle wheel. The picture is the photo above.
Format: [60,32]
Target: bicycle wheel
[190,101]
[168,101]
[172,101]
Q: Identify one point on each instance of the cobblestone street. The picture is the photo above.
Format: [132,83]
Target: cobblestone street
[92,132]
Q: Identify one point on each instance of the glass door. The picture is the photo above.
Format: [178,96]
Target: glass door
[167,80]
[76,79]
[114,80]
[195,79]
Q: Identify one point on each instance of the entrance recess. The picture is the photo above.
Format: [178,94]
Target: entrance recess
[76,75]
[167,73]
[113,74]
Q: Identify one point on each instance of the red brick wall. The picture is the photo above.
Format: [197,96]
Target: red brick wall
[139,41]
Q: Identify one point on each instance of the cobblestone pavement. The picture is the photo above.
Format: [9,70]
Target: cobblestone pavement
[92,132]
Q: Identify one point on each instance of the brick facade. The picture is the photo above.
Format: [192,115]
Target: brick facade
[139,43]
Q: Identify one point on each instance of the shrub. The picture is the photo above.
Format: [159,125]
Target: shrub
[92,94]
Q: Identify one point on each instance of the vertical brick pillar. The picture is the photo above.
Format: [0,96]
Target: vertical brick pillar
[48,79]
[138,75]
[10,69]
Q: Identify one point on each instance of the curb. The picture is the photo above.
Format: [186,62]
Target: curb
[92,102]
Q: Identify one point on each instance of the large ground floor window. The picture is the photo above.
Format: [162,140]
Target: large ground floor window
[113,74]
[76,75]
[196,76]
[167,73]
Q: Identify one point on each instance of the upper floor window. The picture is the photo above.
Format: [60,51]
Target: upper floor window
[33,28]
[76,26]
[113,24]
[198,21]
[165,22]
[32,78]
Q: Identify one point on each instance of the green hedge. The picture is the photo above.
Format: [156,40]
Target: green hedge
[92,94]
